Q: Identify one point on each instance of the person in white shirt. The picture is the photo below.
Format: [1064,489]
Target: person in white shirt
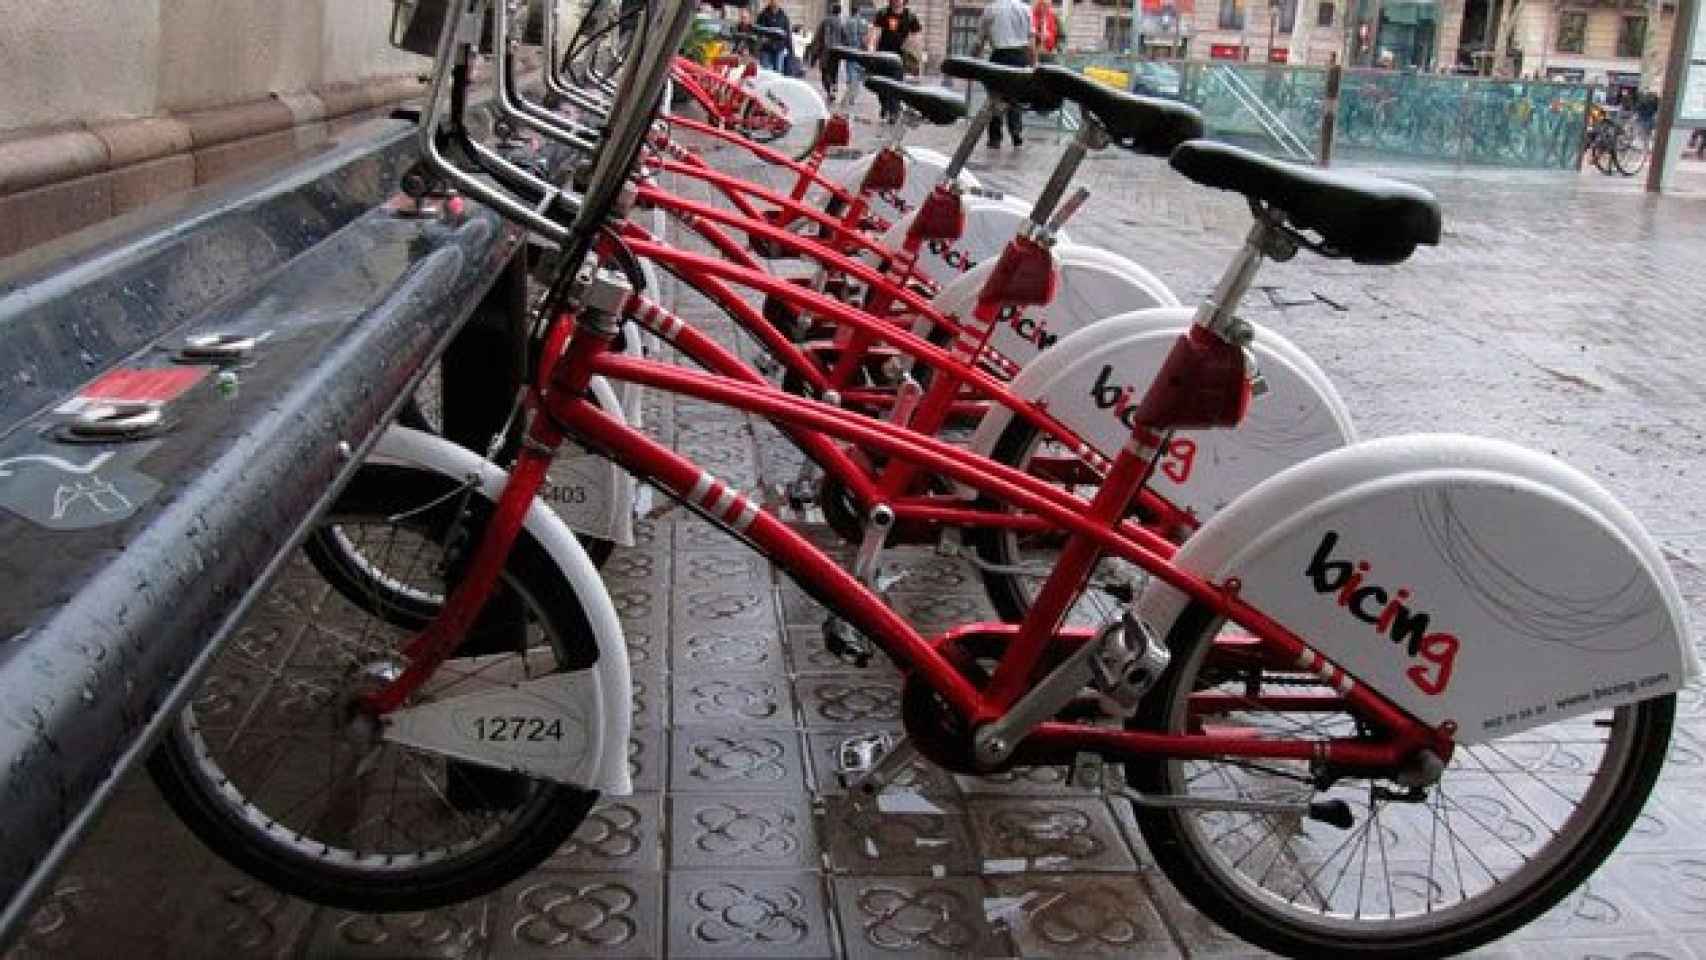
[1006,28]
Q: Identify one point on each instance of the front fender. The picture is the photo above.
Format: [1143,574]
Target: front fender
[604,768]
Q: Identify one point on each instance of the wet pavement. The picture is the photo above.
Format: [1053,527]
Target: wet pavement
[1559,312]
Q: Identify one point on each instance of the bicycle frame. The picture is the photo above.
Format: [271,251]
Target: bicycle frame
[807,172]
[725,97]
[712,277]
[560,410]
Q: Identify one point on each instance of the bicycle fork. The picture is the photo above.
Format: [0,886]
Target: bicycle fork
[596,327]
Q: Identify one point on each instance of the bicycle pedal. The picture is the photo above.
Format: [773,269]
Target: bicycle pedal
[846,644]
[802,493]
[888,581]
[857,756]
[1086,771]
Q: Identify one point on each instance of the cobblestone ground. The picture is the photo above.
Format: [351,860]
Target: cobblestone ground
[1559,312]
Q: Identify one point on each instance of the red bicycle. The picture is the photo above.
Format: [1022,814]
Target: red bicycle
[1304,690]
[873,502]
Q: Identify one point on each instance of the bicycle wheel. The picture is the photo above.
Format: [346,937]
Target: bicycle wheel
[1511,828]
[360,579]
[1629,151]
[268,765]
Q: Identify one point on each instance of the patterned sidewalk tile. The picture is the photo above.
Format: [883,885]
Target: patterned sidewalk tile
[564,914]
[741,831]
[748,915]
[915,917]
[899,834]
[621,833]
[736,758]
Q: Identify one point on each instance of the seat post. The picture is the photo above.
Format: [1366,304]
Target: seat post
[1090,136]
[1218,313]
[974,130]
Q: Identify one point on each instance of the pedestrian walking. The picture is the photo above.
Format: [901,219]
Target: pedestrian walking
[1045,26]
[1005,28]
[855,27]
[838,28]
[773,51]
[818,55]
[889,32]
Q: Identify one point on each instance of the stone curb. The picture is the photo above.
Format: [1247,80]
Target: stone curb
[30,161]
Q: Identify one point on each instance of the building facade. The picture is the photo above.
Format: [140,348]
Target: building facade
[1596,41]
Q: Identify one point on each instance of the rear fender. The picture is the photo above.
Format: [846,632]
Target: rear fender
[1469,581]
[1093,286]
[989,225]
[1092,380]
[924,169]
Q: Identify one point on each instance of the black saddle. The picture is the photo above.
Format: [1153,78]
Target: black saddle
[878,63]
[1013,84]
[937,105]
[1368,219]
[1141,124]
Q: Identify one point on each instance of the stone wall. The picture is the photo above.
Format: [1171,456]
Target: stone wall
[107,106]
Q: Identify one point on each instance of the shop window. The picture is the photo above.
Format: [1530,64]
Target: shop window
[1572,32]
[1631,36]
[962,30]
[1116,33]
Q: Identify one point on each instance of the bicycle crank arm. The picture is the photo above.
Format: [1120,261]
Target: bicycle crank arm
[1335,813]
[1120,664]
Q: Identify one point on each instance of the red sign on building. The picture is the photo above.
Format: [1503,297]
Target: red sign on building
[1226,51]
[1279,55]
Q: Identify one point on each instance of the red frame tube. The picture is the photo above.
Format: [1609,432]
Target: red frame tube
[1141,547]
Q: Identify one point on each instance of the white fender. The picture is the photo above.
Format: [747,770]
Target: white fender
[1468,580]
[991,221]
[924,169]
[654,283]
[1093,285]
[650,347]
[1091,379]
[634,345]
[800,102]
[604,766]
[590,492]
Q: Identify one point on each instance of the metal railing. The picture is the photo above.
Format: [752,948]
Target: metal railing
[296,311]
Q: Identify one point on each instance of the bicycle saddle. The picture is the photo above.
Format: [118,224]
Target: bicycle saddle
[1013,84]
[774,33]
[881,63]
[937,105]
[1140,124]
[1368,219]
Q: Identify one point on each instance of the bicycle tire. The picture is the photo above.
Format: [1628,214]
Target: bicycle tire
[1260,910]
[306,678]
[1629,152]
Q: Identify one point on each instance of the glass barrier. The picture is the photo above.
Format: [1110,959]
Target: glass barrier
[1467,121]
[1384,116]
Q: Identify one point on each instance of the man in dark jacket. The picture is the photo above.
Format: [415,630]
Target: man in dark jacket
[773,51]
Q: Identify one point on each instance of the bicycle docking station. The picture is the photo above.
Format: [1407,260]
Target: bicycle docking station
[182,391]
